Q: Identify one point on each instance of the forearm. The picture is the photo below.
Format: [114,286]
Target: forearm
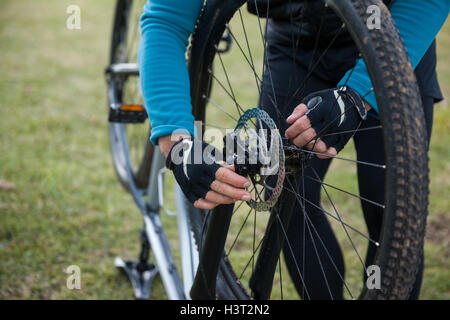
[166,26]
[418,23]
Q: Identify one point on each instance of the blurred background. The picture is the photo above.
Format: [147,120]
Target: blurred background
[60,201]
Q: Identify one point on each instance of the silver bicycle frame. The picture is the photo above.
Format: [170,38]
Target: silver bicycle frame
[150,208]
[175,289]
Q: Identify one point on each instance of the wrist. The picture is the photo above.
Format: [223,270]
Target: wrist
[166,143]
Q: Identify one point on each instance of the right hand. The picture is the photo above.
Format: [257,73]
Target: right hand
[206,184]
[327,113]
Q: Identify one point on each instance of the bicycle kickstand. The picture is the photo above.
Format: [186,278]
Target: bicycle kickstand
[140,272]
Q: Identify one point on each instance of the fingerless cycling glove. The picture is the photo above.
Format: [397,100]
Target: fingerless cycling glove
[333,111]
[194,166]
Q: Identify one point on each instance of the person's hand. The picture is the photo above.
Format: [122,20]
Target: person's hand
[204,182]
[317,122]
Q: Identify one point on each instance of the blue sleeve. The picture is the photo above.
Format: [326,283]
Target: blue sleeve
[165,29]
[418,23]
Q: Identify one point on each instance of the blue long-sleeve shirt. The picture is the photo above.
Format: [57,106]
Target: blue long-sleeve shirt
[418,23]
[167,24]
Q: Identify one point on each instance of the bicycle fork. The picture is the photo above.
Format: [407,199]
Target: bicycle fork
[212,252]
[155,232]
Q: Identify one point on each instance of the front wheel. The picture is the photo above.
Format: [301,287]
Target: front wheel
[226,86]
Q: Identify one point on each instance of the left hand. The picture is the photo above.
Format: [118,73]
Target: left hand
[315,121]
[205,182]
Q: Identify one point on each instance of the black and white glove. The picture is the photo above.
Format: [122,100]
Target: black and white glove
[335,110]
[194,166]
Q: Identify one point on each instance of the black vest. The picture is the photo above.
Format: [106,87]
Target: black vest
[306,14]
[302,19]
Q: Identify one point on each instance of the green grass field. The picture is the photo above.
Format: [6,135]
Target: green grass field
[60,202]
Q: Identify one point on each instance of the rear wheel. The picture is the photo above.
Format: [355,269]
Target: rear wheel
[129,140]
[225,86]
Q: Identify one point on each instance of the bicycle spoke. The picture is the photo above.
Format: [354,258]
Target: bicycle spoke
[252,257]
[350,131]
[238,107]
[220,108]
[343,226]
[229,94]
[382,166]
[242,226]
[265,59]
[281,278]
[250,63]
[332,216]
[304,224]
[258,196]
[293,255]
[215,126]
[320,262]
[253,240]
[239,232]
[296,42]
[367,93]
[316,252]
[242,202]
[316,45]
[223,87]
[302,86]
[309,224]
[347,192]
[305,216]
[250,53]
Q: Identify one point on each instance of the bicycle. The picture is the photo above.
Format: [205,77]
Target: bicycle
[215,262]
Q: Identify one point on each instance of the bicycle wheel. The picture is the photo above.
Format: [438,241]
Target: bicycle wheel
[226,89]
[129,133]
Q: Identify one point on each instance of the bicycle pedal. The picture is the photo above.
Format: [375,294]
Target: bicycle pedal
[141,276]
[128,113]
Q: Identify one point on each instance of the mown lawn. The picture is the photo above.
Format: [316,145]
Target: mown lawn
[60,202]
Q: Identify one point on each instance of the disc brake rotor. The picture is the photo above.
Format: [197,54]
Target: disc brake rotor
[256,158]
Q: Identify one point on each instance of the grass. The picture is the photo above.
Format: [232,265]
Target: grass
[62,204]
